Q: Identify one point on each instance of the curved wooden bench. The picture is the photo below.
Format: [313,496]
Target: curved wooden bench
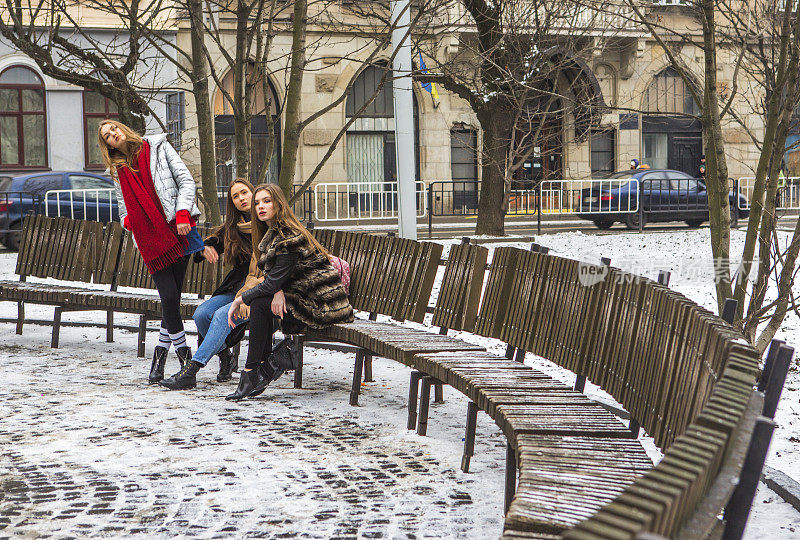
[680,371]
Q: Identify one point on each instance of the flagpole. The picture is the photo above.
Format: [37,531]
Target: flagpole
[404,121]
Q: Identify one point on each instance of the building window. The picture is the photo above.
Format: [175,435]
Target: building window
[602,148]
[668,93]
[23,120]
[261,124]
[96,108]
[370,139]
[464,168]
[176,115]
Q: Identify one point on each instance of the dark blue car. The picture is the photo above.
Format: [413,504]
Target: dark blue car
[666,195]
[22,195]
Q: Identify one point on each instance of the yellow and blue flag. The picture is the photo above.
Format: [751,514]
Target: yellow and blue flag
[428,86]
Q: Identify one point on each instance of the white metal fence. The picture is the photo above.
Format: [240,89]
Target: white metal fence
[94,204]
[786,198]
[601,196]
[345,201]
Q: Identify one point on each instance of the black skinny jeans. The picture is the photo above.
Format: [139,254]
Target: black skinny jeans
[262,326]
[169,283]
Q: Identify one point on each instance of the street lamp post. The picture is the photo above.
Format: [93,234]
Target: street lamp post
[404,120]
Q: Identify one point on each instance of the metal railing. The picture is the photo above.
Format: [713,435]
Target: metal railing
[564,197]
[14,206]
[344,201]
[84,203]
[786,198]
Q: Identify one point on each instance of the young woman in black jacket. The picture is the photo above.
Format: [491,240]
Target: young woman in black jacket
[299,285]
[233,240]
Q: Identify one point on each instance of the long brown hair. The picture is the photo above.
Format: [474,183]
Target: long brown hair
[113,157]
[235,248]
[283,218]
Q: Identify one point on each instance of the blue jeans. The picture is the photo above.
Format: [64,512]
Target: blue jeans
[211,319]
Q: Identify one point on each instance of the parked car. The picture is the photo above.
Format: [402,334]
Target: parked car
[666,195]
[25,194]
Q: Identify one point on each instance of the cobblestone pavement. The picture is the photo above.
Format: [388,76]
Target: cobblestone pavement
[89,450]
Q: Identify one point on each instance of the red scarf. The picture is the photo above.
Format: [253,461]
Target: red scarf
[157,240]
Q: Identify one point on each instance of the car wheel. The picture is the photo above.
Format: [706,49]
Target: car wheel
[632,221]
[603,223]
[694,223]
[12,239]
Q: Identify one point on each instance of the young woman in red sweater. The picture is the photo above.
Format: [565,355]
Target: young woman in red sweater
[156,197]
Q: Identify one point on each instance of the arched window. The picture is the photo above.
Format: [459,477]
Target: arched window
[371,158]
[668,93]
[96,108]
[23,127]
[224,133]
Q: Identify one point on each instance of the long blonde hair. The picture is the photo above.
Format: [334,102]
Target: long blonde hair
[114,158]
[283,218]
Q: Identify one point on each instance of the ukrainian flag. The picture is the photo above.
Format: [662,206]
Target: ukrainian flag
[428,86]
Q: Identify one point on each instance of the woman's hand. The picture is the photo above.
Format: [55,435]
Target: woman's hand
[233,309]
[184,228]
[279,304]
[210,254]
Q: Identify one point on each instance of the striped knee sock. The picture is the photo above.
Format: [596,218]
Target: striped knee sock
[163,338]
[179,339]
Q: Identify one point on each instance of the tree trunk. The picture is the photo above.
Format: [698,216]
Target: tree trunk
[716,164]
[291,133]
[205,122]
[241,116]
[493,203]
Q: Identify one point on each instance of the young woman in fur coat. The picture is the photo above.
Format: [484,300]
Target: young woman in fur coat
[299,284]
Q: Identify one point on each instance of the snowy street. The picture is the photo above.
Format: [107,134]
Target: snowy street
[89,449]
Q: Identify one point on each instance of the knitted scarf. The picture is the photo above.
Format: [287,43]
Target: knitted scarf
[157,240]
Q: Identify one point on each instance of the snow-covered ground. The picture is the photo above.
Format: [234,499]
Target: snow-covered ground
[78,425]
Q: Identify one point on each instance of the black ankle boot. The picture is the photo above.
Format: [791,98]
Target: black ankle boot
[227,365]
[157,367]
[267,374]
[184,355]
[248,381]
[185,378]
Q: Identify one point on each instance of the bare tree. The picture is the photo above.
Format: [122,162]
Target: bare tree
[512,59]
[115,64]
[763,41]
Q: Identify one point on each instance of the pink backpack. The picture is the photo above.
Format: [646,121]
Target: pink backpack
[343,268]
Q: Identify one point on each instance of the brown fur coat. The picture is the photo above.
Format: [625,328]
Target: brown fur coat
[314,293]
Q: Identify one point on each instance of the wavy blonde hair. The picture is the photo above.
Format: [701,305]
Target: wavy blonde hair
[284,218]
[113,157]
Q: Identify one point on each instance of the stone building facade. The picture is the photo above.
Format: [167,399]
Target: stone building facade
[629,67]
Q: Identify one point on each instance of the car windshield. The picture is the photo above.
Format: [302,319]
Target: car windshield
[5,183]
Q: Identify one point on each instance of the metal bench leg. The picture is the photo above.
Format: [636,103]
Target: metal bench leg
[20,316]
[236,351]
[424,405]
[56,327]
[109,327]
[634,426]
[413,396]
[511,476]
[356,389]
[142,335]
[298,371]
[580,383]
[438,391]
[469,436]
[368,368]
